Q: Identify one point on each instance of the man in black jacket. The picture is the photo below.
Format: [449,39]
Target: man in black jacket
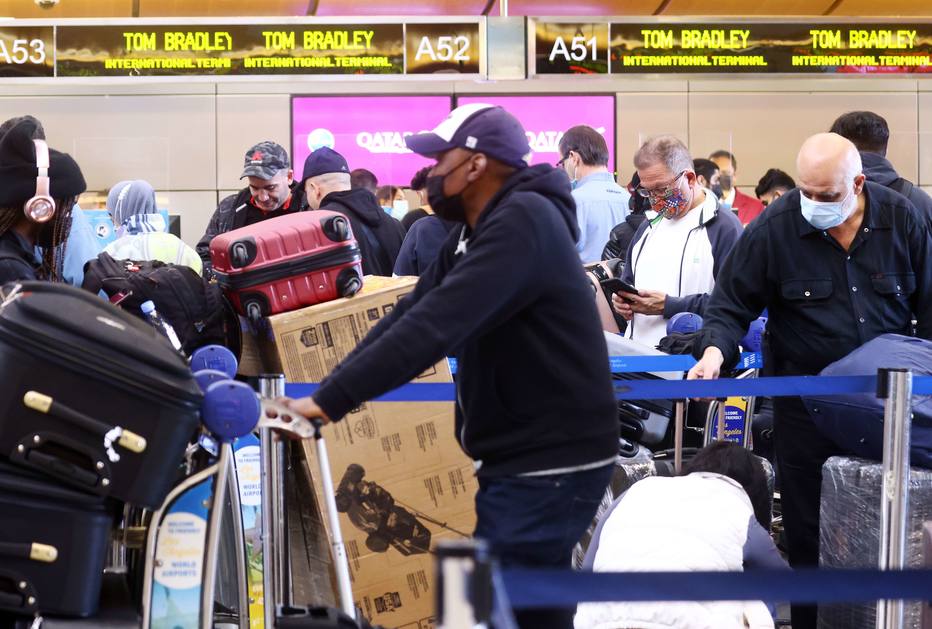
[272,191]
[836,262]
[327,186]
[869,133]
[508,297]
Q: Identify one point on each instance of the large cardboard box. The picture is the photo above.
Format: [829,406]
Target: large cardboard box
[403,483]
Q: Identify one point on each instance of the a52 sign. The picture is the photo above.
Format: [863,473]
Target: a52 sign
[570,47]
[432,48]
[26,51]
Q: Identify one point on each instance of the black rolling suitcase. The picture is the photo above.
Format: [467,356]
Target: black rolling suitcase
[92,396]
[53,545]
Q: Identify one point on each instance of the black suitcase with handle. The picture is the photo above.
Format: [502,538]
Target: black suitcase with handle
[53,545]
[91,395]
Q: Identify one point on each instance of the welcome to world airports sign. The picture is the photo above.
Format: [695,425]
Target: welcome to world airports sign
[244,47]
[561,46]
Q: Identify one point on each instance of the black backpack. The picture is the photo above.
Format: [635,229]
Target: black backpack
[194,307]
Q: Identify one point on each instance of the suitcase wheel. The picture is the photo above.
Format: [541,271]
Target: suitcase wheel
[254,312]
[242,253]
[337,228]
[348,283]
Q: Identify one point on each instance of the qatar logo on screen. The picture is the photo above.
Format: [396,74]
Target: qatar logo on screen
[319,138]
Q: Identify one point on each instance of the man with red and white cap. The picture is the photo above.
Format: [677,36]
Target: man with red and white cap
[508,297]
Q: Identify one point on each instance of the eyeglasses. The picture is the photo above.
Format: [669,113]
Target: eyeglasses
[665,191]
[560,163]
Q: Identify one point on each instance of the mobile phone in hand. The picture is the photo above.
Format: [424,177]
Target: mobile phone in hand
[615,285]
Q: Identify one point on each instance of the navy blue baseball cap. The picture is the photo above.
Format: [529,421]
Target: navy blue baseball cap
[477,127]
[322,161]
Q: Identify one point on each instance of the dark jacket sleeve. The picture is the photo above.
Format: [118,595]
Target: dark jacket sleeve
[487,285]
[14,270]
[920,248]
[723,233]
[426,282]
[739,295]
[628,274]
[760,551]
[406,262]
[219,223]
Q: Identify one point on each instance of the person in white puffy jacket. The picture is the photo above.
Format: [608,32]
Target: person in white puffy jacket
[715,517]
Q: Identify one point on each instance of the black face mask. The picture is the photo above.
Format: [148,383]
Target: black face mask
[717,190]
[447,208]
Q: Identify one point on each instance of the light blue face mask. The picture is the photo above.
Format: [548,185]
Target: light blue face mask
[823,214]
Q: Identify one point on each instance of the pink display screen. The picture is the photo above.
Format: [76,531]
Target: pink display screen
[545,118]
[368,131]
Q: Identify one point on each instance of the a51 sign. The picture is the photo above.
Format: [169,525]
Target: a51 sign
[26,51]
[571,47]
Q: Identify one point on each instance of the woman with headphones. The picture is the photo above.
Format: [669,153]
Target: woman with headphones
[38,189]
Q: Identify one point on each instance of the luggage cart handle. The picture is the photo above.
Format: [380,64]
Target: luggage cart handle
[283,419]
[44,404]
[42,553]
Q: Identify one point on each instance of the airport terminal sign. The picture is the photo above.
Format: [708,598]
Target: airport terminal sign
[243,49]
[753,47]
[26,51]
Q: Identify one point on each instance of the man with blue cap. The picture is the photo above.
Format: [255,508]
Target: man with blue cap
[327,183]
[508,298]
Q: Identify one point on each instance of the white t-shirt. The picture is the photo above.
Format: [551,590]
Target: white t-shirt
[675,258]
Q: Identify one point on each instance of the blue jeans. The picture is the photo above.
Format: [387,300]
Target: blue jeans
[535,521]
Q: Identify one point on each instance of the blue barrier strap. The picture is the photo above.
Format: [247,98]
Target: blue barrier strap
[670,389]
[637,364]
[561,588]
[418,392]
[725,387]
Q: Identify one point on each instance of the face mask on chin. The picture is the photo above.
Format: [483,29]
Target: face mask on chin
[826,215]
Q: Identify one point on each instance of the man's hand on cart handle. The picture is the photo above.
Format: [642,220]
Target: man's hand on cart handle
[307,407]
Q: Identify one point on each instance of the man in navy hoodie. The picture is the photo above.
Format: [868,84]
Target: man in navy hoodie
[508,297]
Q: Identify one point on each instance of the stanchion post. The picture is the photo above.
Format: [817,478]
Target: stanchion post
[895,387]
[275,563]
[679,421]
[464,585]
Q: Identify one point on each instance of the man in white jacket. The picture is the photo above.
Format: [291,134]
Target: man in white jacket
[713,518]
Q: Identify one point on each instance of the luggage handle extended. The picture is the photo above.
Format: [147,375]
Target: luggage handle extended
[112,434]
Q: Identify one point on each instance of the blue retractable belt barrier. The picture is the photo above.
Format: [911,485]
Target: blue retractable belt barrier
[640,364]
[561,588]
[671,389]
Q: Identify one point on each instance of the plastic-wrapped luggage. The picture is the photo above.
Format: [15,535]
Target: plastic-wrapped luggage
[53,544]
[288,262]
[849,535]
[92,395]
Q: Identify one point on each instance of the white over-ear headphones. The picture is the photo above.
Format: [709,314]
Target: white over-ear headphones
[41,207]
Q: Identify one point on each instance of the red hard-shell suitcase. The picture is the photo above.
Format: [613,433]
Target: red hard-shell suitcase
[287,263]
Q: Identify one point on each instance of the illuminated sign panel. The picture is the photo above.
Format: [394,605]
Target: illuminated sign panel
[443,48]
[753,47]
[232,49]
[26,51]
[571,48]
[249,49]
